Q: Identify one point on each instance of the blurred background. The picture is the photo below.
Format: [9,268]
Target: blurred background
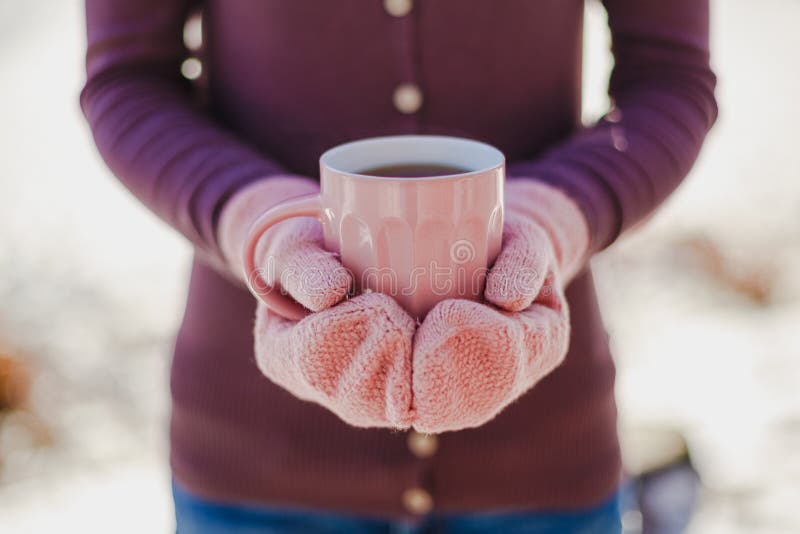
[703,304]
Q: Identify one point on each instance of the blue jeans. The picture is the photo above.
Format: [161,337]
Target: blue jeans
[197,516]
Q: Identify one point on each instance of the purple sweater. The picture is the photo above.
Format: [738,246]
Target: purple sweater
[285,80]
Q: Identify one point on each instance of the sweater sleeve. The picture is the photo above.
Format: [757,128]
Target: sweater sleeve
[662,91]
[147,124]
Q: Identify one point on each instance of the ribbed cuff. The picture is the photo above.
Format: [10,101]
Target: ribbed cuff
[559,215]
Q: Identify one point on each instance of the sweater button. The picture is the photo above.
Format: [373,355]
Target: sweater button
[417,501]
[422,445]
[398,8]
[407,98]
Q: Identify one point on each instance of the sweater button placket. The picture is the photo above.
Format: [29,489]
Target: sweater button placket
[422,445]
[407,98]
[418,499]
[398,8]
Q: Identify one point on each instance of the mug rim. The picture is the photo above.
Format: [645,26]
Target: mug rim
[326,156]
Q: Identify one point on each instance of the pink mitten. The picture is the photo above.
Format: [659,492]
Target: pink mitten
[471,360]
[290,255]
[354,358]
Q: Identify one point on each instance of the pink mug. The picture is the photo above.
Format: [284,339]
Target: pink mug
[419,239]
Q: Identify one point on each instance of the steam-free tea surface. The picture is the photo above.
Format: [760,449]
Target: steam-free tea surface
[413,170]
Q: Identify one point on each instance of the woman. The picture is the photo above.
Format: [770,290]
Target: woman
[285,80]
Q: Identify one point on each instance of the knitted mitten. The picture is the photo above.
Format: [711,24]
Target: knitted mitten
[354,358]
[470,359]
[291,254]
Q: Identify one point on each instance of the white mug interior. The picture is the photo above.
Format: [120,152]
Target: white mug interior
[357,156]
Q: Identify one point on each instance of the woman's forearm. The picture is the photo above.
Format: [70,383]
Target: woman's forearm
[662,88]
[160,144]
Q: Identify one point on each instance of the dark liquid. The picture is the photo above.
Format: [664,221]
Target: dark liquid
[413,170]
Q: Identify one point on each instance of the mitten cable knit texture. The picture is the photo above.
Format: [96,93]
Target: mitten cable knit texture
[354,359]
[471,360]
[545,231]
[290,255]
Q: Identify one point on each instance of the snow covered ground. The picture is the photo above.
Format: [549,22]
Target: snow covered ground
[703,305]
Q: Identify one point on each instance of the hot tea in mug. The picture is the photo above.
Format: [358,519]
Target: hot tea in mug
[417,217]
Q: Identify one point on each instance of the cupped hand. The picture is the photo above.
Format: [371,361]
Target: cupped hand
[290,257]
[470,360]
[354,358]
[473,359]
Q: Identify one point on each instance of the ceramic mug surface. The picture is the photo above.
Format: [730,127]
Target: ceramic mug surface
[419,239]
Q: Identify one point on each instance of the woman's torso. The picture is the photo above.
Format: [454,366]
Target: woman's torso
[297,77]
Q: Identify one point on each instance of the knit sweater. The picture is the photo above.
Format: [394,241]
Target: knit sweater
[283,81]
